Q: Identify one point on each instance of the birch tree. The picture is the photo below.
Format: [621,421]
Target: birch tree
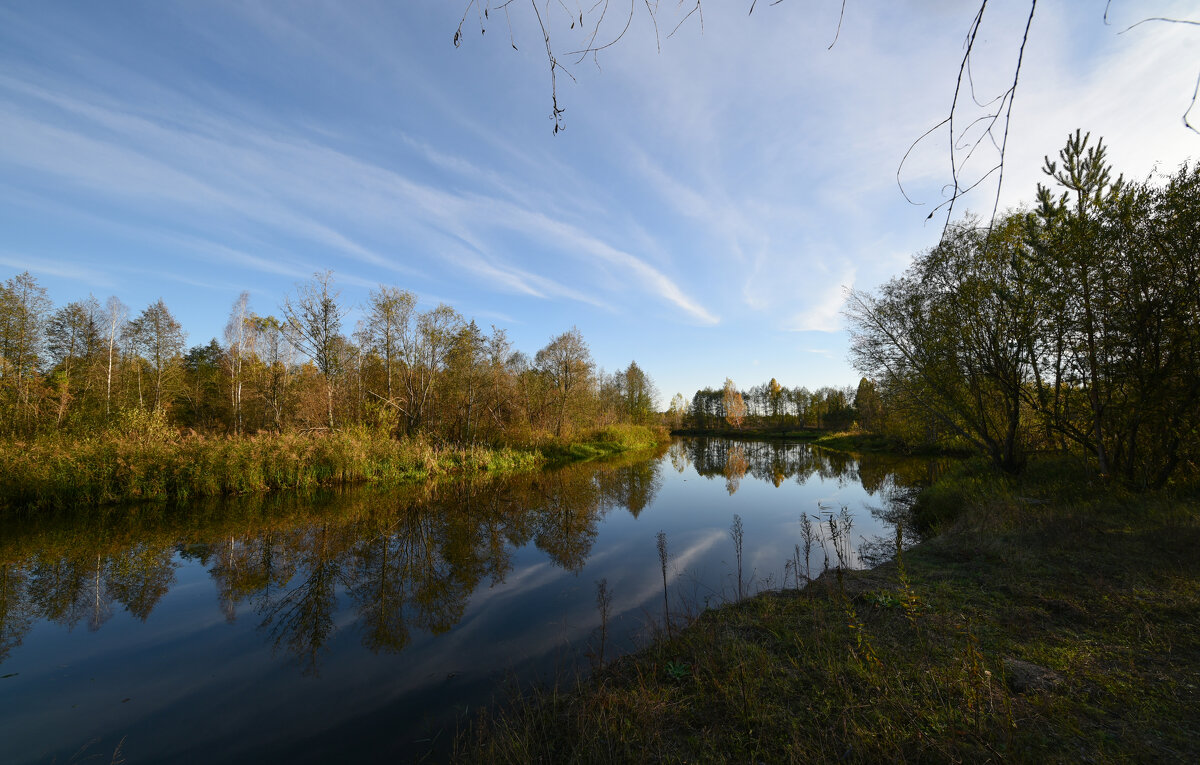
[239,343]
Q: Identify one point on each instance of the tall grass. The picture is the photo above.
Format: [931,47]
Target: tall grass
[64,473]
[147,462]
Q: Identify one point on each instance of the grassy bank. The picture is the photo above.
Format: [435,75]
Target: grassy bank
[1053,619]
[63,472]
[603,442]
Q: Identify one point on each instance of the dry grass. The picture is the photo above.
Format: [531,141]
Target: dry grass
[62,472]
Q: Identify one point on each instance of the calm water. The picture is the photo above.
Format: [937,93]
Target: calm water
[360,625]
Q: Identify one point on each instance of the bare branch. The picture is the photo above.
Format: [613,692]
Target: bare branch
[913,145]
[556,112]
[1189,22]
[1160,18]
[838,33]
[1008,114]
[695,8]
[954,169]
[596,49]
[1195,92]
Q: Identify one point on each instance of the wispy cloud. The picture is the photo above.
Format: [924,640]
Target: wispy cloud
[240,178]
[41,265]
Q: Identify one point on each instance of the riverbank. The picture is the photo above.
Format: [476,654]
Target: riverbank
[1054,618]
[73,472]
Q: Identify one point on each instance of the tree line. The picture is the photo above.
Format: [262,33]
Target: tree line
[1074,325]
[84,365]
[767,405]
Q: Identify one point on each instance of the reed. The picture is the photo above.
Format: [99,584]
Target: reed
[661,543]
[146,462]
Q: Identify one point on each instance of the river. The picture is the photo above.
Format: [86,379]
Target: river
[362,625]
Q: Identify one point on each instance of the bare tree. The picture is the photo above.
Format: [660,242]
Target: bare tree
[424,346]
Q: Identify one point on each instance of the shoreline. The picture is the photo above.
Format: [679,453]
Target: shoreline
[1051,618]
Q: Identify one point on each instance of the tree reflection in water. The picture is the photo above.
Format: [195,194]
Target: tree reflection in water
[404,559]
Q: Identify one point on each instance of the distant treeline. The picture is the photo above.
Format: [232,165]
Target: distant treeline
[768,405]
[84,367]
[1072,326]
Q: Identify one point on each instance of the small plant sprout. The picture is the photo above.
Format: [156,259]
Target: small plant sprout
[678,670]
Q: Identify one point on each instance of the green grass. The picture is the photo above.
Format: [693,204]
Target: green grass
[603,442]
[68,472]
[915,661]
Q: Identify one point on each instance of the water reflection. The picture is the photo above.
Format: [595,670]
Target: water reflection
[404,605]
[403,560]
[778,461]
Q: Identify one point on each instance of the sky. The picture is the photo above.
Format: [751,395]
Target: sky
[711,197]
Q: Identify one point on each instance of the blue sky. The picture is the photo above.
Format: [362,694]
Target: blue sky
[702,212]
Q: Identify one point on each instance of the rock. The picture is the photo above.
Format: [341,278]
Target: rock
[1024,676]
